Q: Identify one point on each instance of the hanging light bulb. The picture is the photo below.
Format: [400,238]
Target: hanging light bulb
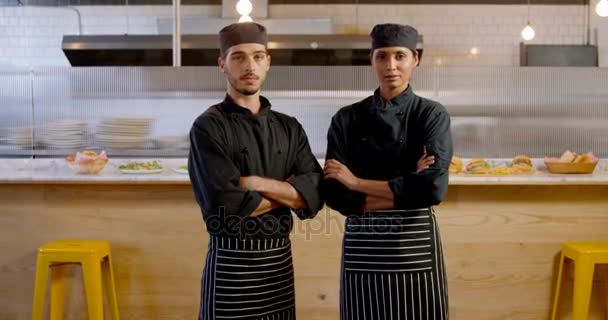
[245,19]
[528,33]
[602,8]
[244,7]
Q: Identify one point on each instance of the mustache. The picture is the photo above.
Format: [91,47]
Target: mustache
[253,75]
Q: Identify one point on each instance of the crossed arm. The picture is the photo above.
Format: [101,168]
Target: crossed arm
[378,195]
[300,191]
[277,193]
[274,193]
[219,187]
[425,187]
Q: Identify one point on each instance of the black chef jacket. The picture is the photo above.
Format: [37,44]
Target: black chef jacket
[228,142]
[379,142]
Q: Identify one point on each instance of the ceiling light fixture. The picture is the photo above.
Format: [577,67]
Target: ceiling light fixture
[602,8]
[244,8]
[528,33]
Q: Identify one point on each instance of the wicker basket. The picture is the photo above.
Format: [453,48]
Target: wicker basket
[565,167]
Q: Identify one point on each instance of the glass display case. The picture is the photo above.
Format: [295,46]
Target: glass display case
[497,112]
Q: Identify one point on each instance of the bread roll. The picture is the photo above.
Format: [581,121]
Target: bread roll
[456,165]
[521,168]
[478,166]
[568,156]
[522,159]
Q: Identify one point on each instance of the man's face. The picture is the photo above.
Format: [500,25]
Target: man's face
[393,66]
[245,67]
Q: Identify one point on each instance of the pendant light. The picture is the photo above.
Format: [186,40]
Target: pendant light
[602,8]
[244,8]
[528,33]
[245,19]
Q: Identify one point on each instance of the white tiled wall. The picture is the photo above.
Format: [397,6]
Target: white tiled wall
[450,31]
[32,36]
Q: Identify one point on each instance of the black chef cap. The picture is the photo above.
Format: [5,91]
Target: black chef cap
[244,32]
[394,35]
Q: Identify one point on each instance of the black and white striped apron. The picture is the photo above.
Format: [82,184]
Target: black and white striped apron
[248,279]
[392,267]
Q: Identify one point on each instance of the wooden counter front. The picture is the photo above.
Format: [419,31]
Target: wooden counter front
[501,244]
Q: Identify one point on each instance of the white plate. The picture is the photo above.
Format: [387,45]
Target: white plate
[180,171]
[101,137]
[126,171]
[128,122]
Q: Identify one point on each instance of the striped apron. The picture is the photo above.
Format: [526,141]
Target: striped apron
[248,279]
[392,267]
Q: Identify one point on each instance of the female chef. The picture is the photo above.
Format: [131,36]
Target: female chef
[392,260]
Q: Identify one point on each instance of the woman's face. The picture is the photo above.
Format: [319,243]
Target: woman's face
[393,67]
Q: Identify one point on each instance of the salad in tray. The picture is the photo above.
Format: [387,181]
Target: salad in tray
[183,169]
[141,167]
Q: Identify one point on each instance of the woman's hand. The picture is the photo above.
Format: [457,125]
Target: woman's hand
[334,169]
[425,162]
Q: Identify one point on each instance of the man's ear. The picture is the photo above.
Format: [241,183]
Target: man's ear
[221,63]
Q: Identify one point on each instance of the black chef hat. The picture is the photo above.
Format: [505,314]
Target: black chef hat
[394,35]
[244,32]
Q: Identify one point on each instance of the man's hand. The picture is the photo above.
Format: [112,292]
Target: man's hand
[278,192]
[254,183]
[425,162]
[334,169]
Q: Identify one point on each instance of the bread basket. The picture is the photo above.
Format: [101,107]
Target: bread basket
[568,168]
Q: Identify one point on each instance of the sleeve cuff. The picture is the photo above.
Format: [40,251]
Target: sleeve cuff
[341,199]
[253,200]
[396,185]
[310,195]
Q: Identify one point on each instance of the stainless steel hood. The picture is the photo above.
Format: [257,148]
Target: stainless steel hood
[201,50]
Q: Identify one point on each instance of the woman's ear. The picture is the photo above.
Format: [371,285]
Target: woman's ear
[269,61]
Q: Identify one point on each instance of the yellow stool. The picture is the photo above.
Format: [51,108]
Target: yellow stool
[585,256]
[94,257]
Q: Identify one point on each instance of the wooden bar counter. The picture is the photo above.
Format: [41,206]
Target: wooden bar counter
[501,239]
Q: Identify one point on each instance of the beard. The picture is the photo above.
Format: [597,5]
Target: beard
[246,91]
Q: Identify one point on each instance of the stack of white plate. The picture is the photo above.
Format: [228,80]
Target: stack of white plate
[65,134]
[123,133]
[172,142]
